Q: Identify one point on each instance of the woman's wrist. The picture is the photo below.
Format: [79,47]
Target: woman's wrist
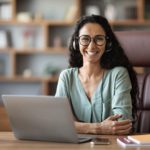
[84,128]
[88,128]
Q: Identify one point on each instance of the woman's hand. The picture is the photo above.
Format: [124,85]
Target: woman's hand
[108,126]
[112,126]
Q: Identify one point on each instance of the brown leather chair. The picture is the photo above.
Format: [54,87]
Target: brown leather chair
[137,47]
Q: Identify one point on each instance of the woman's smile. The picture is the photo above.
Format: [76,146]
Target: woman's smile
[91,53]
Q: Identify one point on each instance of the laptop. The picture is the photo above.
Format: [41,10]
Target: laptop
[44,118]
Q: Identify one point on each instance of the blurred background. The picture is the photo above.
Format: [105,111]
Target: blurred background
[34,36]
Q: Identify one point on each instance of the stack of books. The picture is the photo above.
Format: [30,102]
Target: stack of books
[134,141]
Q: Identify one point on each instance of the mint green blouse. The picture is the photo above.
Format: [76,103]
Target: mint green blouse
[112,95]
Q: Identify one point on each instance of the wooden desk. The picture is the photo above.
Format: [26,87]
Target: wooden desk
[9,142]
[4,123]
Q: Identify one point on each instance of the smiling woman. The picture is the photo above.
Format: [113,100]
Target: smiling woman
[100,83]
[92,42]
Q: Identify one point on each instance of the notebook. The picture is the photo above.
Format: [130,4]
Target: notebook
[140,139]
[125,142]
[44,118]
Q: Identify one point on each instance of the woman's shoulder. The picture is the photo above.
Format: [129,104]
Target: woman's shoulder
[118,74]
[67,73]
[118,71]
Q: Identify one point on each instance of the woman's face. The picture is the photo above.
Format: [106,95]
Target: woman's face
[92,42]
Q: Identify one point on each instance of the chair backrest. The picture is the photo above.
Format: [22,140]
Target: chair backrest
[137,47]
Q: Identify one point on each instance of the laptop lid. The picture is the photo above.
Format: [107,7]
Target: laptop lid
[45,118]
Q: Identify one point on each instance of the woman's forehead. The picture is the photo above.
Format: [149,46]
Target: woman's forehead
[92,29]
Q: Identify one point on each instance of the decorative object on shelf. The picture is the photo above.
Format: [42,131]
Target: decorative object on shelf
[92,10]
[51,70]
[57,43]
[38,16]
[28,35]
[27,73]
[110,12]
[72,13]
[3,39]
[6,11]
[24,17]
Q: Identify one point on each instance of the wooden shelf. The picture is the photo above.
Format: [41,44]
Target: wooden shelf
[40,22]
[130,22]
[47,50]
[31,79]
[15,22]
[5,50]
[60,22]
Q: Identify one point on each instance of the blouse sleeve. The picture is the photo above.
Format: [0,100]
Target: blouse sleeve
[121,102]
[62,89]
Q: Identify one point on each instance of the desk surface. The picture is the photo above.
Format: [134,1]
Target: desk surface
[9,142]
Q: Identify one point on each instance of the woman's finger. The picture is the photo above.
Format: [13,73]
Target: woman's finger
[123,122]
[126,131]
[114,117]
[123,127]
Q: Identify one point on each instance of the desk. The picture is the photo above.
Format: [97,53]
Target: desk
[9,142]
[4,122]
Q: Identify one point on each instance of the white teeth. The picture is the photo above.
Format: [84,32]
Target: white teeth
[91,53]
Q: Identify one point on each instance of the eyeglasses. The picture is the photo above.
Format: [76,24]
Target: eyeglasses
[99,40]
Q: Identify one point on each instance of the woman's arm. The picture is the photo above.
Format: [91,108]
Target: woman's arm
[108,126]
[121,102]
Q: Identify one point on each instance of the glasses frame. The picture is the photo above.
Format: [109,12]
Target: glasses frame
[92,39]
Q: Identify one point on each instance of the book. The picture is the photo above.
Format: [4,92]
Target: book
[6,11]
[125,142]
[3,39]
[140,139]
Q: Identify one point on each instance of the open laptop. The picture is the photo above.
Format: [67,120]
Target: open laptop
[45,118]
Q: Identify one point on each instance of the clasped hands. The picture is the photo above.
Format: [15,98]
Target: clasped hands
[111,125]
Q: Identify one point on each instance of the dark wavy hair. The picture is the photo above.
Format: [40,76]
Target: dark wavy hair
[111,58]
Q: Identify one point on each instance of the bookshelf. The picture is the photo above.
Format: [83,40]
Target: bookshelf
[37,41]
[38,33]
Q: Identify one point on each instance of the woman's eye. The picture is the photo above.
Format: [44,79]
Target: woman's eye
[85,40]
[99,38]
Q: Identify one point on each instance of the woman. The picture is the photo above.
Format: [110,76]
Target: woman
[100,83]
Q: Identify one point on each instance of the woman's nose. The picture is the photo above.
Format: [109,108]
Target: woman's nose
[92,43]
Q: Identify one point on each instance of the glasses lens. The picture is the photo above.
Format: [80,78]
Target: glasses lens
[84,40]
[99,40]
